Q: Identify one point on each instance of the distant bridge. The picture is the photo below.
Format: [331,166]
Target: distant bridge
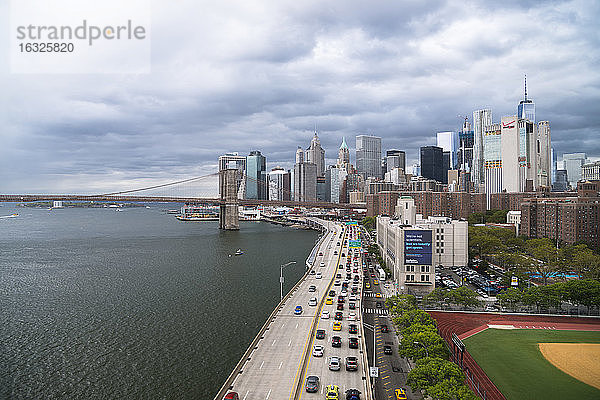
[171,199]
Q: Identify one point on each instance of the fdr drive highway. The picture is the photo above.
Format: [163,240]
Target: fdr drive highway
[282,356]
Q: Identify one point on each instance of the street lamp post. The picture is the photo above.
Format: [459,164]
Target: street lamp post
[422,345]
[281,278]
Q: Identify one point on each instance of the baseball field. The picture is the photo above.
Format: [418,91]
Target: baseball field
[539,363]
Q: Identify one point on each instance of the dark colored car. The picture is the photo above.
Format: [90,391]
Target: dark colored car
[339,316]
[378,304]
[320,334]
[352,306]
[332,293]
[340,299]
[387,349]
[353,343]
[338,276]
[351,364]
[336,341]
[353,328]
[340,306]
[352,394]
[384,328]
[312,384]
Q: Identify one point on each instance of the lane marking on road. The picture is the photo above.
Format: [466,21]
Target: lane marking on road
[282,325]
[261,365]
[273,344]
[246,395]
[290,342]
[268,394]
[280,364]
[296,325]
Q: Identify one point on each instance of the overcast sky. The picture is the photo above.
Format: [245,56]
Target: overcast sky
[249,75]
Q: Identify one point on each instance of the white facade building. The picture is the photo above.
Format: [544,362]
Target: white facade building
[412,251]
[481,119]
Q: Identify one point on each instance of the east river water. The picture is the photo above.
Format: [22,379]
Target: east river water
[101,304]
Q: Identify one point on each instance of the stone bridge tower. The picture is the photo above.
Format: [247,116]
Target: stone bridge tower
[228,191]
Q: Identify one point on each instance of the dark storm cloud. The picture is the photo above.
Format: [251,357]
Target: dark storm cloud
[236,76]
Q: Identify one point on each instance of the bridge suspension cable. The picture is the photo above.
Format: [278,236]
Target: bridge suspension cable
[160,186]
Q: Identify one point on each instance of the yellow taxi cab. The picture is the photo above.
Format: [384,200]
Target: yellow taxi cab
[332,392]
[375,282]
[367,285]
[377,294]
[329,301]
[337,326]
[400,394]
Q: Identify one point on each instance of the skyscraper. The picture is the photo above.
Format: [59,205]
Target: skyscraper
[395,159]
[573,163]
[305,182]
[368,156]
[316,155]
[343,154]
[465,155]
[279,184]
[448,141]
[481,119]
[432,163]
[526,108]
[543,153]
[256,176]
[492,160]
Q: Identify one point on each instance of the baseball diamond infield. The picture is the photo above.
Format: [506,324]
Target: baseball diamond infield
[506,363]
[580,360]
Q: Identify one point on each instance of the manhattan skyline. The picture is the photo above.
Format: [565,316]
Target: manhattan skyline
[242,77]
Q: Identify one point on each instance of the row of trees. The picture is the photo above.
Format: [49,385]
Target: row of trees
[461,296]
[532,256]
[433,374]
[490,216]
[585,292]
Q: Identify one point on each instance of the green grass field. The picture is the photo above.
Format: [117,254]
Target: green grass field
[512,360]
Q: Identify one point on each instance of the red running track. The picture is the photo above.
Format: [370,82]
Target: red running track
[467,324]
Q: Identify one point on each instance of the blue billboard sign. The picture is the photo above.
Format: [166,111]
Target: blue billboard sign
[417,247]
[354,244]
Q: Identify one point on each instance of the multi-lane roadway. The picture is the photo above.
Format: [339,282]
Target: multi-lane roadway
[281,358]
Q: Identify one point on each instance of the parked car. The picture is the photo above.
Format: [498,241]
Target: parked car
[387,349]
[312,301]
[231,396]
[298,310]
[312,288]
[320,334]
[353,343]
[384,328]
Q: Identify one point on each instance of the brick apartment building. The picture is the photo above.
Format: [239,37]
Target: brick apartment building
[455,205]
[570,219]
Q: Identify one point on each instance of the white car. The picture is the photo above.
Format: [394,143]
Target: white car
[334,363]
[318,350]
[325,314]
[352,298]
[322,264]
[318,275]
[312,302]
[352,316]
